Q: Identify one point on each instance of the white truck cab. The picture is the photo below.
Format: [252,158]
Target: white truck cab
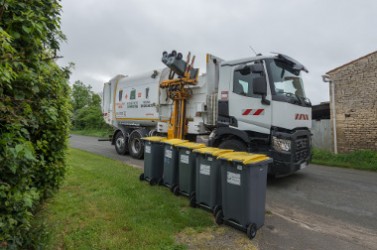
[263,108]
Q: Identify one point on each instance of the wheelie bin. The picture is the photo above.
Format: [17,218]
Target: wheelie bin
[186,180]
[153,159]
[208,188]
[170,173]
[243,191]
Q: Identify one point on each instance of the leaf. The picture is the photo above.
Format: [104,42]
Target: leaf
[26,29]
[16,35]
[35,89]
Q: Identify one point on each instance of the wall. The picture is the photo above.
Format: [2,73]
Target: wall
[356,104]
[322,135]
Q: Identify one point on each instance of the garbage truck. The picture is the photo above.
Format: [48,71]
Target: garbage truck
[255,104]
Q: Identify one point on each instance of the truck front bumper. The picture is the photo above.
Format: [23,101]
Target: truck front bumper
[286,163]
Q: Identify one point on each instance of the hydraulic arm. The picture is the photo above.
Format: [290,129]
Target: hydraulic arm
[178,91]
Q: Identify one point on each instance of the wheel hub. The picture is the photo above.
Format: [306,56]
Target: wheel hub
[120,142]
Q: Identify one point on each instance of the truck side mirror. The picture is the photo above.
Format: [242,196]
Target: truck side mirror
[257,68]
[260,86]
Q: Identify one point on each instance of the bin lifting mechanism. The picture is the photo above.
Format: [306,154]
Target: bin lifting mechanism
[178,91]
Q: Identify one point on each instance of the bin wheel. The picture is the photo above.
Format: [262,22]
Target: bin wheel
[192,201]
[251,231]
[215,209]
[153,182]
[176,190]
[141,177]
[160,182]
[219,218]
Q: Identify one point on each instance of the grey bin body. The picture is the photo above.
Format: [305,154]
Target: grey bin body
[153,160]
[243,190]
[170,172]
[208,193]
[186,172]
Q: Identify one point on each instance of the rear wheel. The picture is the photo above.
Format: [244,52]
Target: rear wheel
[234,144]
[120,143]
[136,145]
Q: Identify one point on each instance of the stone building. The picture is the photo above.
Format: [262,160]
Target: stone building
[355,99]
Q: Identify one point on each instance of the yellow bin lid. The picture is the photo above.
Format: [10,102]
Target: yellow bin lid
[191,145]
[212,151]
[244,158]
[174,141]
[154,138]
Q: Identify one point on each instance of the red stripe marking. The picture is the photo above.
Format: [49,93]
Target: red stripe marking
[259,111]
[246,112]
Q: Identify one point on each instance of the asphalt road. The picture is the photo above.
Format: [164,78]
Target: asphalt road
[317,208]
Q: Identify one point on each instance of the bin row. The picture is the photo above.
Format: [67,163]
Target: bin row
[230,184]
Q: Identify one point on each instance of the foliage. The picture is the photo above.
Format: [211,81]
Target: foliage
[87,113]
[103,205]
[361,159]
[34,113]
[104,133]
[81,95]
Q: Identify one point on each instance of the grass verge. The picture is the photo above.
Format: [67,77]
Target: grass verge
[103,205]
[362,159]
[104,133]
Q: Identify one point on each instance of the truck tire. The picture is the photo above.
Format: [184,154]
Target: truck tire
[234,144]
[121,143]
[136,145]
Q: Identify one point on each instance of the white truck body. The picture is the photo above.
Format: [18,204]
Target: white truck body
[138,103]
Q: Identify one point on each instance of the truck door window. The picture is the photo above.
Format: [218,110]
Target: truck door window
[243,83]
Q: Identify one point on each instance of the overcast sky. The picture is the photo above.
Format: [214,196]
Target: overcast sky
[111,37]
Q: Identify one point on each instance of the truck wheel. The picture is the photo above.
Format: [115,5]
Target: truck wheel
[234,144]
[135,145]
[120,143]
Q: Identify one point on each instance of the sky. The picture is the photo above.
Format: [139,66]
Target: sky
[106,38]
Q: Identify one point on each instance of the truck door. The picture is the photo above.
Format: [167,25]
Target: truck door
[245,106]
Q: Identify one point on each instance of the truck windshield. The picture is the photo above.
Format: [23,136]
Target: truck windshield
[287,82]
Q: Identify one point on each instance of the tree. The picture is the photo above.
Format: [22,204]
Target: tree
[34,113]
[81,95]
[87,113]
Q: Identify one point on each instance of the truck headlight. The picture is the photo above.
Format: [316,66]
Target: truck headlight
[281,145]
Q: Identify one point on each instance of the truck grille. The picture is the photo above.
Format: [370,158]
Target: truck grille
[302,149]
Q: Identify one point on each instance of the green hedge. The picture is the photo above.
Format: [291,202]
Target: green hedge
[34,114]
